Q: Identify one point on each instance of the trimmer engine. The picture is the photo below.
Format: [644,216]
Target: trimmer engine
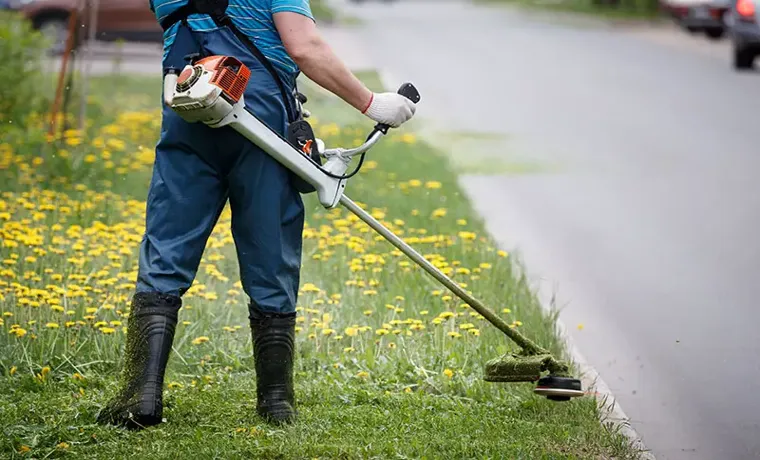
[207,90]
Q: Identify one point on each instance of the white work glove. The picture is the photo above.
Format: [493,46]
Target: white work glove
[391,109]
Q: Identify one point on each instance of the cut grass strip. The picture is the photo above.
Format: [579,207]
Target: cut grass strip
[389,364]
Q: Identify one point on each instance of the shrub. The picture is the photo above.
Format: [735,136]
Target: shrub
[21,76]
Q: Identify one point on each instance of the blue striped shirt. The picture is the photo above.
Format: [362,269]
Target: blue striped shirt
[252,17]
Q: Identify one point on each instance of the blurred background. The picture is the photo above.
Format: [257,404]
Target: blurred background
[612,143]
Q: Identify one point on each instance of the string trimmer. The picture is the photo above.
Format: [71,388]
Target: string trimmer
[210,91]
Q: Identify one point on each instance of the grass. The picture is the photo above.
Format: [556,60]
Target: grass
[322,11]
[632,10]
[388,363]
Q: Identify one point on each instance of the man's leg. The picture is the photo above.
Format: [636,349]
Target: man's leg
[185,199]
[267,225]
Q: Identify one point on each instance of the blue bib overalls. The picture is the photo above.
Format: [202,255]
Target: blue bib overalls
[198,168]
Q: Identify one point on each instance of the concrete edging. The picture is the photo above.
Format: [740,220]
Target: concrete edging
[611,412]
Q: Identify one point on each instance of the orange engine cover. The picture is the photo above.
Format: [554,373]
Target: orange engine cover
[229,74]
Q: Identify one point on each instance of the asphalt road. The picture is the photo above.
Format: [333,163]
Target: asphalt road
[642,208]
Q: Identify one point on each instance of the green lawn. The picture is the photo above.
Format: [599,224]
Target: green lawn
[626,10]
[388,365]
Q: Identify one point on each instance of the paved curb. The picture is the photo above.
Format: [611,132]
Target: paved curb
[611,412]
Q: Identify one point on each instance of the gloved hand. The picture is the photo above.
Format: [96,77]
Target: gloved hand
[391,109]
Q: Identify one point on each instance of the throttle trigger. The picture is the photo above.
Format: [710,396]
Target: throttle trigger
[307,147]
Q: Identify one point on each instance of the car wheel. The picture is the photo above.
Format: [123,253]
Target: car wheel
[743,58]
[692,29]
[714,34]
[55,29]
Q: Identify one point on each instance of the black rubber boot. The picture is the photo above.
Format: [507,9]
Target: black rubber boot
[273,345]
[150,332]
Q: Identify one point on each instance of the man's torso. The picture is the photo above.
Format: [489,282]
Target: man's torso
[253,17]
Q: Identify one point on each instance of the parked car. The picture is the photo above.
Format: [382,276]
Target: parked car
[743,21]
[697,16]
[129,20]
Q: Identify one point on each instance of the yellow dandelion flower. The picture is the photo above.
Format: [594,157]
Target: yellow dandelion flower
[408,138]
[362,374]
[173,385]
[351,331]
[448,372]
[433,184]
[381,332]
[391,345]
[309,287]
[502,253]
[52,325]
[200,340]
[107,330]
[348,349]
[468,236]
[454,335]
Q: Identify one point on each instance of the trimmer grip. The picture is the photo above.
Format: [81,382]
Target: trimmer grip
[408,91]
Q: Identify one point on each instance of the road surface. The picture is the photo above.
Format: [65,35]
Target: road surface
[641,207]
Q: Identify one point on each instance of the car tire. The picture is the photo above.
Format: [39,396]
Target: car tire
[692,29]
[55,28]
[743,58]
[715,34]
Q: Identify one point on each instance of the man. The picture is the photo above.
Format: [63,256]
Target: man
[198,168]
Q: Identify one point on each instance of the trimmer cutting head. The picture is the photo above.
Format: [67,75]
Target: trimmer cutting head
[558,388]
[528,368]
[515,368]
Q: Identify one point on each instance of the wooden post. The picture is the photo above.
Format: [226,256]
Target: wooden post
[73,16]
[92,25]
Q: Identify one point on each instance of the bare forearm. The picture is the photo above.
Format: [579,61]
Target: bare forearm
[320,64]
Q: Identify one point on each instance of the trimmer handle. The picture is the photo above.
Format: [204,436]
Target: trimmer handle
[408,91]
